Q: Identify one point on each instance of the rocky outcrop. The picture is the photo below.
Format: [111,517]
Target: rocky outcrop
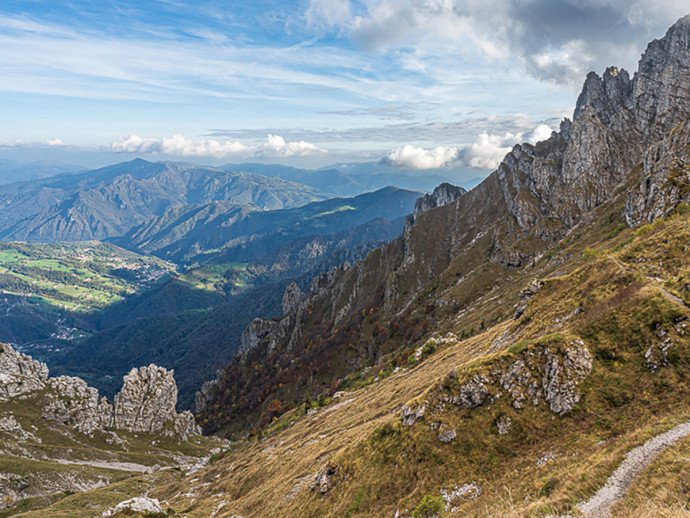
[442,195]
[147,400]
[326,479]
[545,373]
[72,402]
[664,179]
[412,413]
[145,404]
[207,392]
[604,94]
[20,374]
[140,504]
[292,298]
[526,294]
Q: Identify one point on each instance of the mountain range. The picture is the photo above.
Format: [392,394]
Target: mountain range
[521,349]
[227,232]
[351,179]
[108,202]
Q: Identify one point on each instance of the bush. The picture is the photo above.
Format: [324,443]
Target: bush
[589,253]
[429,507]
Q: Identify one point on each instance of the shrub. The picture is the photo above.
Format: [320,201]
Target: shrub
[589,253]
[429,507]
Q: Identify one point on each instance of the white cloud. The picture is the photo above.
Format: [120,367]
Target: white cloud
[555,40]
[328,12]
[276,146]
[181,146]
[541,132]
[413,157]
[486,152]
[50,142]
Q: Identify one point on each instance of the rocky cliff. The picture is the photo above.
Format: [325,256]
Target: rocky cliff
[442,195]
[146,402]
[19,374]
[627,135]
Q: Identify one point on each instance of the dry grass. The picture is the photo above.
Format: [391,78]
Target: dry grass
[385,467]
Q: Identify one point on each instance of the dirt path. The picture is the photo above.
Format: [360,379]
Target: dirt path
[120,466]
[636,460]
[657,283]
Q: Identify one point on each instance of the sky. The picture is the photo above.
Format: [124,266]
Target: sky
[416,84]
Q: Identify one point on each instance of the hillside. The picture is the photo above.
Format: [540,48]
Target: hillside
[60,438]
[50,292]
[596,349]
[224,232]
[627,139]
[526,417]
[109,201]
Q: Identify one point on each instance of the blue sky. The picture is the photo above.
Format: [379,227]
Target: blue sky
[425,83]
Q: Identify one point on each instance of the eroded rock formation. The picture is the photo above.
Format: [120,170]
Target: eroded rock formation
[145,404]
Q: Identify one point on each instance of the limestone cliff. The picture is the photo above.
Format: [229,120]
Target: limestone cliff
[625,132]
[146,402]
[19,374]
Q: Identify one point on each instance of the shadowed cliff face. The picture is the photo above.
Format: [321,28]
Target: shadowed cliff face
[626,134]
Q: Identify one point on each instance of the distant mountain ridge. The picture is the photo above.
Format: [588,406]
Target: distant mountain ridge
[109,201]
[356,178]
[225,232]
[12,171]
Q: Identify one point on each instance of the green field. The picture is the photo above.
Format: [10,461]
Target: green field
[77,277]
[219,277]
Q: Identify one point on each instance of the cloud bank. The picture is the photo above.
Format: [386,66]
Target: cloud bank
[486,152]
[554,40]
[275,146]
[19,143]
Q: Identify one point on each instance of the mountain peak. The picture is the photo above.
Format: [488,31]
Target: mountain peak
[604,94]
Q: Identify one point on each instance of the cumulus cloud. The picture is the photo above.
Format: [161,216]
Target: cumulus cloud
[555,40]
[486,152]
[277,147]
[179,145]
[413,157]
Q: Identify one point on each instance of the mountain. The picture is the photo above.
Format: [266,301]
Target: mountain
[503,354]
[109,201]
[627,139]
[351,179]
[12,171]
[522,349]
[224,232]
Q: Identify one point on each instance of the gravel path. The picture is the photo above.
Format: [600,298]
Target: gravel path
[636,460]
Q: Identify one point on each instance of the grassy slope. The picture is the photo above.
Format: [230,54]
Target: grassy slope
[39,460]
[624,289]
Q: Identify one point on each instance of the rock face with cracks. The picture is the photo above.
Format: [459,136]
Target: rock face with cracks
[147,400]
[19,374]
[541,374]
[145,404]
